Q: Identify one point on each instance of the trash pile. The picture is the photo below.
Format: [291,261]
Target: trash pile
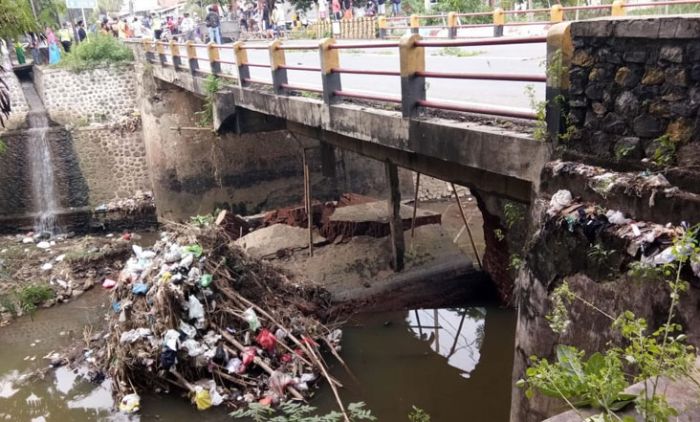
[138,202]
[196,313]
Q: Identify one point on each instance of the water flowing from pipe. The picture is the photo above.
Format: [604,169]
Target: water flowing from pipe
[40,163]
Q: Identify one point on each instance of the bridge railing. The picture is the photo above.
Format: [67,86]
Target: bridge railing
[448,25]
[411,71]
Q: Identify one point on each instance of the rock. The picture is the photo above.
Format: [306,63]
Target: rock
[582,58]
[47,267]
[659,109]
[679,130]
[653,76]
[627,104]
[43,245]
[692,52]
[689,154]
[628,147]
[695,72]
[27,240]
[635,56]
[595,91]
[647,126]
[627,77]
[599,108]
[597,74]
[671,54]
[612,123]
[676,76]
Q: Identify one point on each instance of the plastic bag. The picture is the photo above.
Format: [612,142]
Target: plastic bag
[249,356]
[186,328]
[279,382]
[171,338]
[252,318]
[559,201]
[234,366]
[194,249]
[108,283]
[202,398]
[139,288]
[266,340]
[193,347]
[205,280]
[131,403]
[196,310]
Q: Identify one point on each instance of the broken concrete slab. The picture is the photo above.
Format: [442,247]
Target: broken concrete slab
[273,240]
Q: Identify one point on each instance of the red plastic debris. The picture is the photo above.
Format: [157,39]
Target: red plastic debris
[248,356]
[266,340]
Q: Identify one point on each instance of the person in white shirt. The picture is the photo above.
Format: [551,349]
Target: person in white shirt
[322,10]
[187,27]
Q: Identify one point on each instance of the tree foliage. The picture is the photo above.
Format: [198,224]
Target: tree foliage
[15,18]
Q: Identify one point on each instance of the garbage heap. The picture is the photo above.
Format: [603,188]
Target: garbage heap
[196,313]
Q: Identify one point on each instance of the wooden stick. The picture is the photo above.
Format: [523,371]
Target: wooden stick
[466,224]
[415,207]
[307,202]
[342,362]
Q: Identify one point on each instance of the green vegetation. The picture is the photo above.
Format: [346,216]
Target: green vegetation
[458,52]
[540,107]
[33,295]
[646,272]
[297,412]
[99,51]
[516,262]
[642,355]
[418,415]
[3,147]
[212,85]
[513,212]
[499,234]
[622,151]
[202,220]
[665,153]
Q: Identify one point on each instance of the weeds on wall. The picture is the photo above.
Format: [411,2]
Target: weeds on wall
[3,147]
[100,50]
[212,85]
[642,356]
[540,108]
[665,153]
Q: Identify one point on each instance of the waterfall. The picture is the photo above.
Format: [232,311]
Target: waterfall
[40,163]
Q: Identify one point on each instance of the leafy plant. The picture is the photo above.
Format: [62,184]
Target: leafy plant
[3,147]
[641,356]
[516,262]
[418,415]
[646,272]
[212,85]
[499,235]
[298,412]
[540,107]
[623,151]
[665,153]
[513,212]
[599,255]
[8,305]
[202,220]
[33,295]
[100,50]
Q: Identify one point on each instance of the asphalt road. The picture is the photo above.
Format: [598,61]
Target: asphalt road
[521,59]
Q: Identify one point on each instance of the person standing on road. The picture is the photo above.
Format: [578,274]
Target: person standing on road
[396,7]
[336,9]
[187,27]
[213,23]
[322,10]
[157,26]
[279,19]
[65,35]
[82,34]
[381,7]
[53,50]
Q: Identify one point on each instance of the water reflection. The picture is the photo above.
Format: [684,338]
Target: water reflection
[455,334]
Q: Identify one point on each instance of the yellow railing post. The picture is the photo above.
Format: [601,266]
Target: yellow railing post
[161,52]
[192,56]
[452,25]
[412,60]
[175,54]
[560,50]
[242,63]
[556,13]
[499,19]
[148,50]
[277,62]
[213,54]
[414,23]
[618,8]
[330,59]
[382,25]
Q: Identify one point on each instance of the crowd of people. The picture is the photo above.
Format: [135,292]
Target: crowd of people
[48,46]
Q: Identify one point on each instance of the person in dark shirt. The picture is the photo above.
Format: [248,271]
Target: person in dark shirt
[82,34]
[213,23]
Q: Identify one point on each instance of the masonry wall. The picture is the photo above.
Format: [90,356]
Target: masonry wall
[635,94]
[100,95]
[17,100]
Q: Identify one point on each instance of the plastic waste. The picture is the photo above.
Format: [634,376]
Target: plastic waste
[187,261]
[194,249]
[234,366]
[559,201]
[173,254]
[252,319]
[171,339]
[108,283]
[220,355]
[47,267]
[280,334]
[616,217]
[193,347]
[211,338]
[189,330]
[196,310]
[205,280]
[140,288]
[116,307]
[248,356]
[279,381]
[168,358]
[266,340]
[27,240]
[202,398]
[131,403]
[43,245]
[133,335]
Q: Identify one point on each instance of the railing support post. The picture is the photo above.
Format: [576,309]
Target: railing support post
[213,52]
[175,54]
[559,52]
[241,63]
[148,50]
[452,25]
[330,80]
[412,59]
[556,13]
[382,25]
[192,56]
[499,19]
[414,23]
[398,246]
[161,53]
[618,8]
[277,60]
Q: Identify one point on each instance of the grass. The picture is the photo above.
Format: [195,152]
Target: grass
[31,296]
[99,51]
[458,52]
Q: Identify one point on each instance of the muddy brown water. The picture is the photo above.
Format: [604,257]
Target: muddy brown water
[453,363]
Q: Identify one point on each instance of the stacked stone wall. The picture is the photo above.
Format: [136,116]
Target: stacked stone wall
[17,101]
[635,92]
[101,95]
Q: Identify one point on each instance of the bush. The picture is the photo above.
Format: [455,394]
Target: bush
[33,295]
[100,50]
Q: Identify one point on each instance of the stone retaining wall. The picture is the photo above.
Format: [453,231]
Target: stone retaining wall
[635,91]
[17,100]
[101,95]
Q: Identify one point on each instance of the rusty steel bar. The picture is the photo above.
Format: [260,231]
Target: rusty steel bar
[495,111]
[399,27]
[528,23]
[254,47]
[360,96]
[227,46]
[200,45]
[366,72]
[522,12]
[206,72]
[475,25]
[593,7]
[432,16]
[303,68]
[364,45]
[227,62]
[660,3]
[485,41]
[257,65]
[302,88]
[298,47]
[462,15]
[514,77]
